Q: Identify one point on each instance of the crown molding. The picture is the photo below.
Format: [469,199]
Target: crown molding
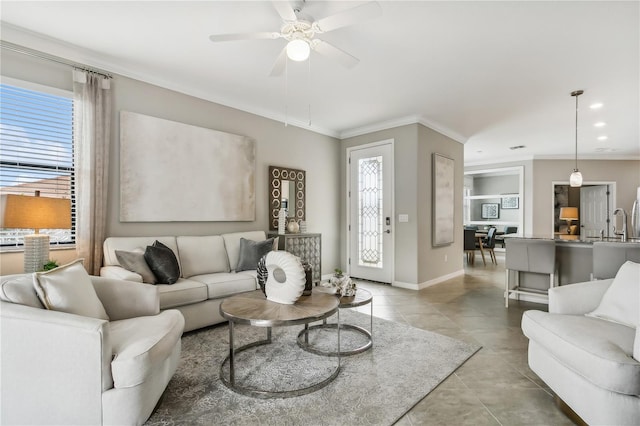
[506,160]
[402,121]
[74,53]
[376,127]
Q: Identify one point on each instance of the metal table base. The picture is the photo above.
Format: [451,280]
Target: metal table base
[232,384]
[303,336]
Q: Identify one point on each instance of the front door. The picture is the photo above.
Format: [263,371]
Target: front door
[594,211]
[371,213]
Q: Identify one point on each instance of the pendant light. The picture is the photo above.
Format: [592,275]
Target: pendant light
[576,177]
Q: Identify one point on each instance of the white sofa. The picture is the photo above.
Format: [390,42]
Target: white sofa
[591,361]
[62,368]
[207,272]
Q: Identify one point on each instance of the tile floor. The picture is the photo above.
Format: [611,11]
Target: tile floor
[495,386]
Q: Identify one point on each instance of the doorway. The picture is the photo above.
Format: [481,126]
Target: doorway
[370,211]
[595,202]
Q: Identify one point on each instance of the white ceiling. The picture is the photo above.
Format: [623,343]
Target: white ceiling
[490,74]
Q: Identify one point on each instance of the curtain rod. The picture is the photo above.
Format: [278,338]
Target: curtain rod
[41,55]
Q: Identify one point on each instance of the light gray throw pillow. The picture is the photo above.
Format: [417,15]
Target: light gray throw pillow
[134,261]
[621,302]
[68,288]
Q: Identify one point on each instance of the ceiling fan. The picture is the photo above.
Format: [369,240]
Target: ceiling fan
[300,33]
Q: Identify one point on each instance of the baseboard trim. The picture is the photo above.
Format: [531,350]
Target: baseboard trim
[425,284]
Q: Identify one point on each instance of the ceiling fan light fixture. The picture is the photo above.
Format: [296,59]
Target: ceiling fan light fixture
[298,50]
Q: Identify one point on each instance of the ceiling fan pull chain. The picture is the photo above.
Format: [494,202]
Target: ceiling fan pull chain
[286,93]
[309,91]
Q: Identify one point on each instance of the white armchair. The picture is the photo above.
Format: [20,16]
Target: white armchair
[591,363]
[61,368]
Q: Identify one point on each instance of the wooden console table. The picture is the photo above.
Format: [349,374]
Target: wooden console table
[308,247]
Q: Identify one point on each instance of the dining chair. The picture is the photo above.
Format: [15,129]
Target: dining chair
[489,243]
[507,230]
[470,245]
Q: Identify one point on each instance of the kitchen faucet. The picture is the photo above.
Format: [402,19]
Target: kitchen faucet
[624,224]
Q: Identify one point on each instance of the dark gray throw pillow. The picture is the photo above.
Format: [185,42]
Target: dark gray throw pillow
[251,252]
[163,263]
[134,261]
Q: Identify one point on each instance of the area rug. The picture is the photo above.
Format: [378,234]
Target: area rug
[375,387]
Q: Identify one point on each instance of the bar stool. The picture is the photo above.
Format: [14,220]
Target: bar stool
[532,256]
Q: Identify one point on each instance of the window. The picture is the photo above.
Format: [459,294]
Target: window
[36,152]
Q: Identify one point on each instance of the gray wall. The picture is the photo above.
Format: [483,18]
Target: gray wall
[626,174]
[525,202]
[538,187]
[435,262]
[416,261]
[276,144]
[495,185]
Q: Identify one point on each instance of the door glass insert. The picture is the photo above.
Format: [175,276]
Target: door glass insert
[370,212]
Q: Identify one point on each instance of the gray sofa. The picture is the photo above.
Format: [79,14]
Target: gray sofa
[63,368]
[207,269]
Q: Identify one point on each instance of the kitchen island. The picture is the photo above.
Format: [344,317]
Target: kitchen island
[574,262]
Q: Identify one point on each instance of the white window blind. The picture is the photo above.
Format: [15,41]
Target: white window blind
[36,153]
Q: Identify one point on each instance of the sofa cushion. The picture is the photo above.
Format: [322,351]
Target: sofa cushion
[163,262]
[68,288]
[600,351]
[19,289]
[202,255]
[140,346]
[183,292]
[251,252]
[226,284]
[134,261]
[232,244]
[621,302]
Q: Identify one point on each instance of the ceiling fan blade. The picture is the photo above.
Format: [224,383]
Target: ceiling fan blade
[280,63]
[244,36]
[349,17]
[332,52]
[285,10]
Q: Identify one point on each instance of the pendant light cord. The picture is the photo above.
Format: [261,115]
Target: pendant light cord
[576,167]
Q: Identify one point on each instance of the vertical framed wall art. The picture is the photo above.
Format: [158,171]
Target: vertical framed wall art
[443,224]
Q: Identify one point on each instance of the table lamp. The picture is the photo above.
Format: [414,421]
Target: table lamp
[569,214]
[27,212]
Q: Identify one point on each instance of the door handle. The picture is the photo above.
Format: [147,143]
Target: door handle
[388,231]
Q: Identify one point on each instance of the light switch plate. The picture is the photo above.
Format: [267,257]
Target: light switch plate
[403,218]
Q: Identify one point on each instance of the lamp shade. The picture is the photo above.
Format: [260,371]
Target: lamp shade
[23,211]
[569,213]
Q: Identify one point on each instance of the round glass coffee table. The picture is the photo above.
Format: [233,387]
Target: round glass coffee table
[361,298]
[252,308]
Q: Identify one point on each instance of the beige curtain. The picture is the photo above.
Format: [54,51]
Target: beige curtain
[92,125]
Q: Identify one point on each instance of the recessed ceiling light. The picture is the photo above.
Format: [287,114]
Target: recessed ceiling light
[600,124]
[603,138]
[596,105]
[517,147]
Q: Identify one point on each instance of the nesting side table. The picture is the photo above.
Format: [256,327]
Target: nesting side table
[254,309]
[361,298]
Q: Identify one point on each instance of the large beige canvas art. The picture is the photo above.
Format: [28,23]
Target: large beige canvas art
[174,172]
